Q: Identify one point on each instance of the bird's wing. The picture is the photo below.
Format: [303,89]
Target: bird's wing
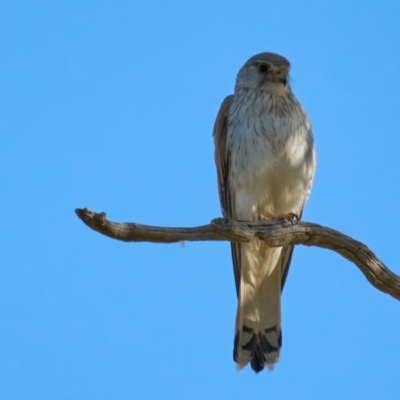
[222,155]
[287,252]
[285,260]
[222,162]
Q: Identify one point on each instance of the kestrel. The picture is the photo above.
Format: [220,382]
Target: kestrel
[265,157]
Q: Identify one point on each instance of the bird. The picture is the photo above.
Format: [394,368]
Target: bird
[265,159]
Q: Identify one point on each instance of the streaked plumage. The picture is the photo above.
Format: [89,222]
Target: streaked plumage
[265,157]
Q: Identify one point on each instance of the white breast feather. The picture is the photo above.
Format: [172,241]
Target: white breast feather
[271,155]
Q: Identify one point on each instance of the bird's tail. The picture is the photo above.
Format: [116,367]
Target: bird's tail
[258,336]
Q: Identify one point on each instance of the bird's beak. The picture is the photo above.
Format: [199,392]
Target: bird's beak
[282,78]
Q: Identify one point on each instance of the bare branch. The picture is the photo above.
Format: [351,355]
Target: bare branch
[276,233]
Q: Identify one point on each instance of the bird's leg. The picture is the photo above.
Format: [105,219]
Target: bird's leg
[266,217]
[292,217]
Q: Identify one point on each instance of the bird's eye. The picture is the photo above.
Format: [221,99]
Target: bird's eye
[263,68]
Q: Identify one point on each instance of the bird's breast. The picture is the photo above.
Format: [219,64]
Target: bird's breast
[271,152]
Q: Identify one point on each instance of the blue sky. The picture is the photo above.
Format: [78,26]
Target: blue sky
[110,105]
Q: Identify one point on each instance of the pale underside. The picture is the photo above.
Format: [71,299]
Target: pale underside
[265,159]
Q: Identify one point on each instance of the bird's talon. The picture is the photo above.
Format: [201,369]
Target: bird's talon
[292,217]
[265,217]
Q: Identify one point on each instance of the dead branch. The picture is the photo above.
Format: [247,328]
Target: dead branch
[276,233]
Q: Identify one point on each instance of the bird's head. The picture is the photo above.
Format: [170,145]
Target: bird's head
[265,71]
